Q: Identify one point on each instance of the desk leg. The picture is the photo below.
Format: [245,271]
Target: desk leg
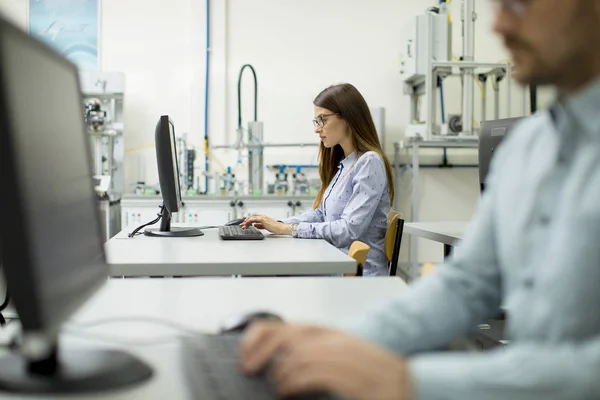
[447,250]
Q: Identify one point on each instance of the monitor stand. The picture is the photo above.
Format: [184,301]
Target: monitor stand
[166,230]
[86,371]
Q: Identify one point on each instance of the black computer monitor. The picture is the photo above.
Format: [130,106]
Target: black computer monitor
[50,233]
[168,176]
[491,135]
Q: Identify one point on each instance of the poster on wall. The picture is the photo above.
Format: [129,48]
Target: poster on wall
[70,26]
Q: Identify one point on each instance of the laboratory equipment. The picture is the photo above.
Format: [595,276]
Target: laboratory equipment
[254,142]
[212,210]
[101,184]
[428,36]
[52,249]
[255,158]
[427,61]
[190,159]
[170,187]
[228,183]
[301,187]
[103,110]
[281,182]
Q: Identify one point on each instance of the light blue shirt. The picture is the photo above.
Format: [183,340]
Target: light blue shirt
[355,206]
[533,246]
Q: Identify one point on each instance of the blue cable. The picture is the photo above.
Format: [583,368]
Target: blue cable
[206,159]
[443,108]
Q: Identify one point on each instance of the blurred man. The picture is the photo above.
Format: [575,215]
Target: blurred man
[533,246]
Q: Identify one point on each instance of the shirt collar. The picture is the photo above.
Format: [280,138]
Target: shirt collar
[346,162]
[582,109]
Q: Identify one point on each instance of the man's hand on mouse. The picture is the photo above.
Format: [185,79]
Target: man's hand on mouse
[312,359]
[264,222]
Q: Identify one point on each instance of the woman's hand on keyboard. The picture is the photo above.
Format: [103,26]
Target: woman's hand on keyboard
[264,222]
[308,359]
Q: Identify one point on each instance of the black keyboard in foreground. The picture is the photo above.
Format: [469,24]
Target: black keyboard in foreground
[237,233]
[211,365]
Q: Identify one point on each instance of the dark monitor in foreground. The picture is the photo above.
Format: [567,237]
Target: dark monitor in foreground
[492,134]
[168,176]
[50,233]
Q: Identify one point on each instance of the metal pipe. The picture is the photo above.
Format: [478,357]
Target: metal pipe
[468,19]
[206,98]
[524,101]
[98,167]
[429,84]
[484,100]
[496,99]
[396,168]
[509,89]
[255,158]
[466,64]
[413,256]
[414,107]
[466,143]
[268,145]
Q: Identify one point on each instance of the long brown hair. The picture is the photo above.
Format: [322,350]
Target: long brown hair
[346,101]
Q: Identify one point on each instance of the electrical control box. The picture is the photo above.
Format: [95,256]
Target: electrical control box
[427,38]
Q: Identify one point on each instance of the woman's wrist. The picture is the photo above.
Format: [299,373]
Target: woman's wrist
[286,229]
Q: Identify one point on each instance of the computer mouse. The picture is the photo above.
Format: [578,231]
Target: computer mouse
[239,323]
[235,222]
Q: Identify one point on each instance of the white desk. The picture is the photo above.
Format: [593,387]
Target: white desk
[448,233]
[208,255]
[203,304]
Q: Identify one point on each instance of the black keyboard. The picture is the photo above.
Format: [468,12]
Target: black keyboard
[237,233]
[212,370]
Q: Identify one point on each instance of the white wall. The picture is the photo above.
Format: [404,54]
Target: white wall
[298,47]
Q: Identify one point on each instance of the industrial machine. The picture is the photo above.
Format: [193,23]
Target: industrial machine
[428,61]
[103,112]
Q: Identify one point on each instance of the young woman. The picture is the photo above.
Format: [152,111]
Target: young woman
[357,182]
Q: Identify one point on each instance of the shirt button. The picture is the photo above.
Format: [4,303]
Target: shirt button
[528,283]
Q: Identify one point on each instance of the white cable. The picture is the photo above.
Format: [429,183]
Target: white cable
[79,329]
[134,319]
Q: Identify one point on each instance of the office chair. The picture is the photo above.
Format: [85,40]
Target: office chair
[393,240]
[359,251]
[427,269]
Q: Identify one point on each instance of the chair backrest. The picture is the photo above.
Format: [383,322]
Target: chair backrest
[393,240]
[390,235]
[427,269]
[359,251]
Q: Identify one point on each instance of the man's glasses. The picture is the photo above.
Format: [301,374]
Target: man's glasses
[321,120]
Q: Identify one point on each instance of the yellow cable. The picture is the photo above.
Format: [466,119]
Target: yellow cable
[143,147]
[481,88]
[212,156]
[206,151]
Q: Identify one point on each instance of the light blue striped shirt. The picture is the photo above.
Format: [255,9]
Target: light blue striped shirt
[534,246]
[355,206]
